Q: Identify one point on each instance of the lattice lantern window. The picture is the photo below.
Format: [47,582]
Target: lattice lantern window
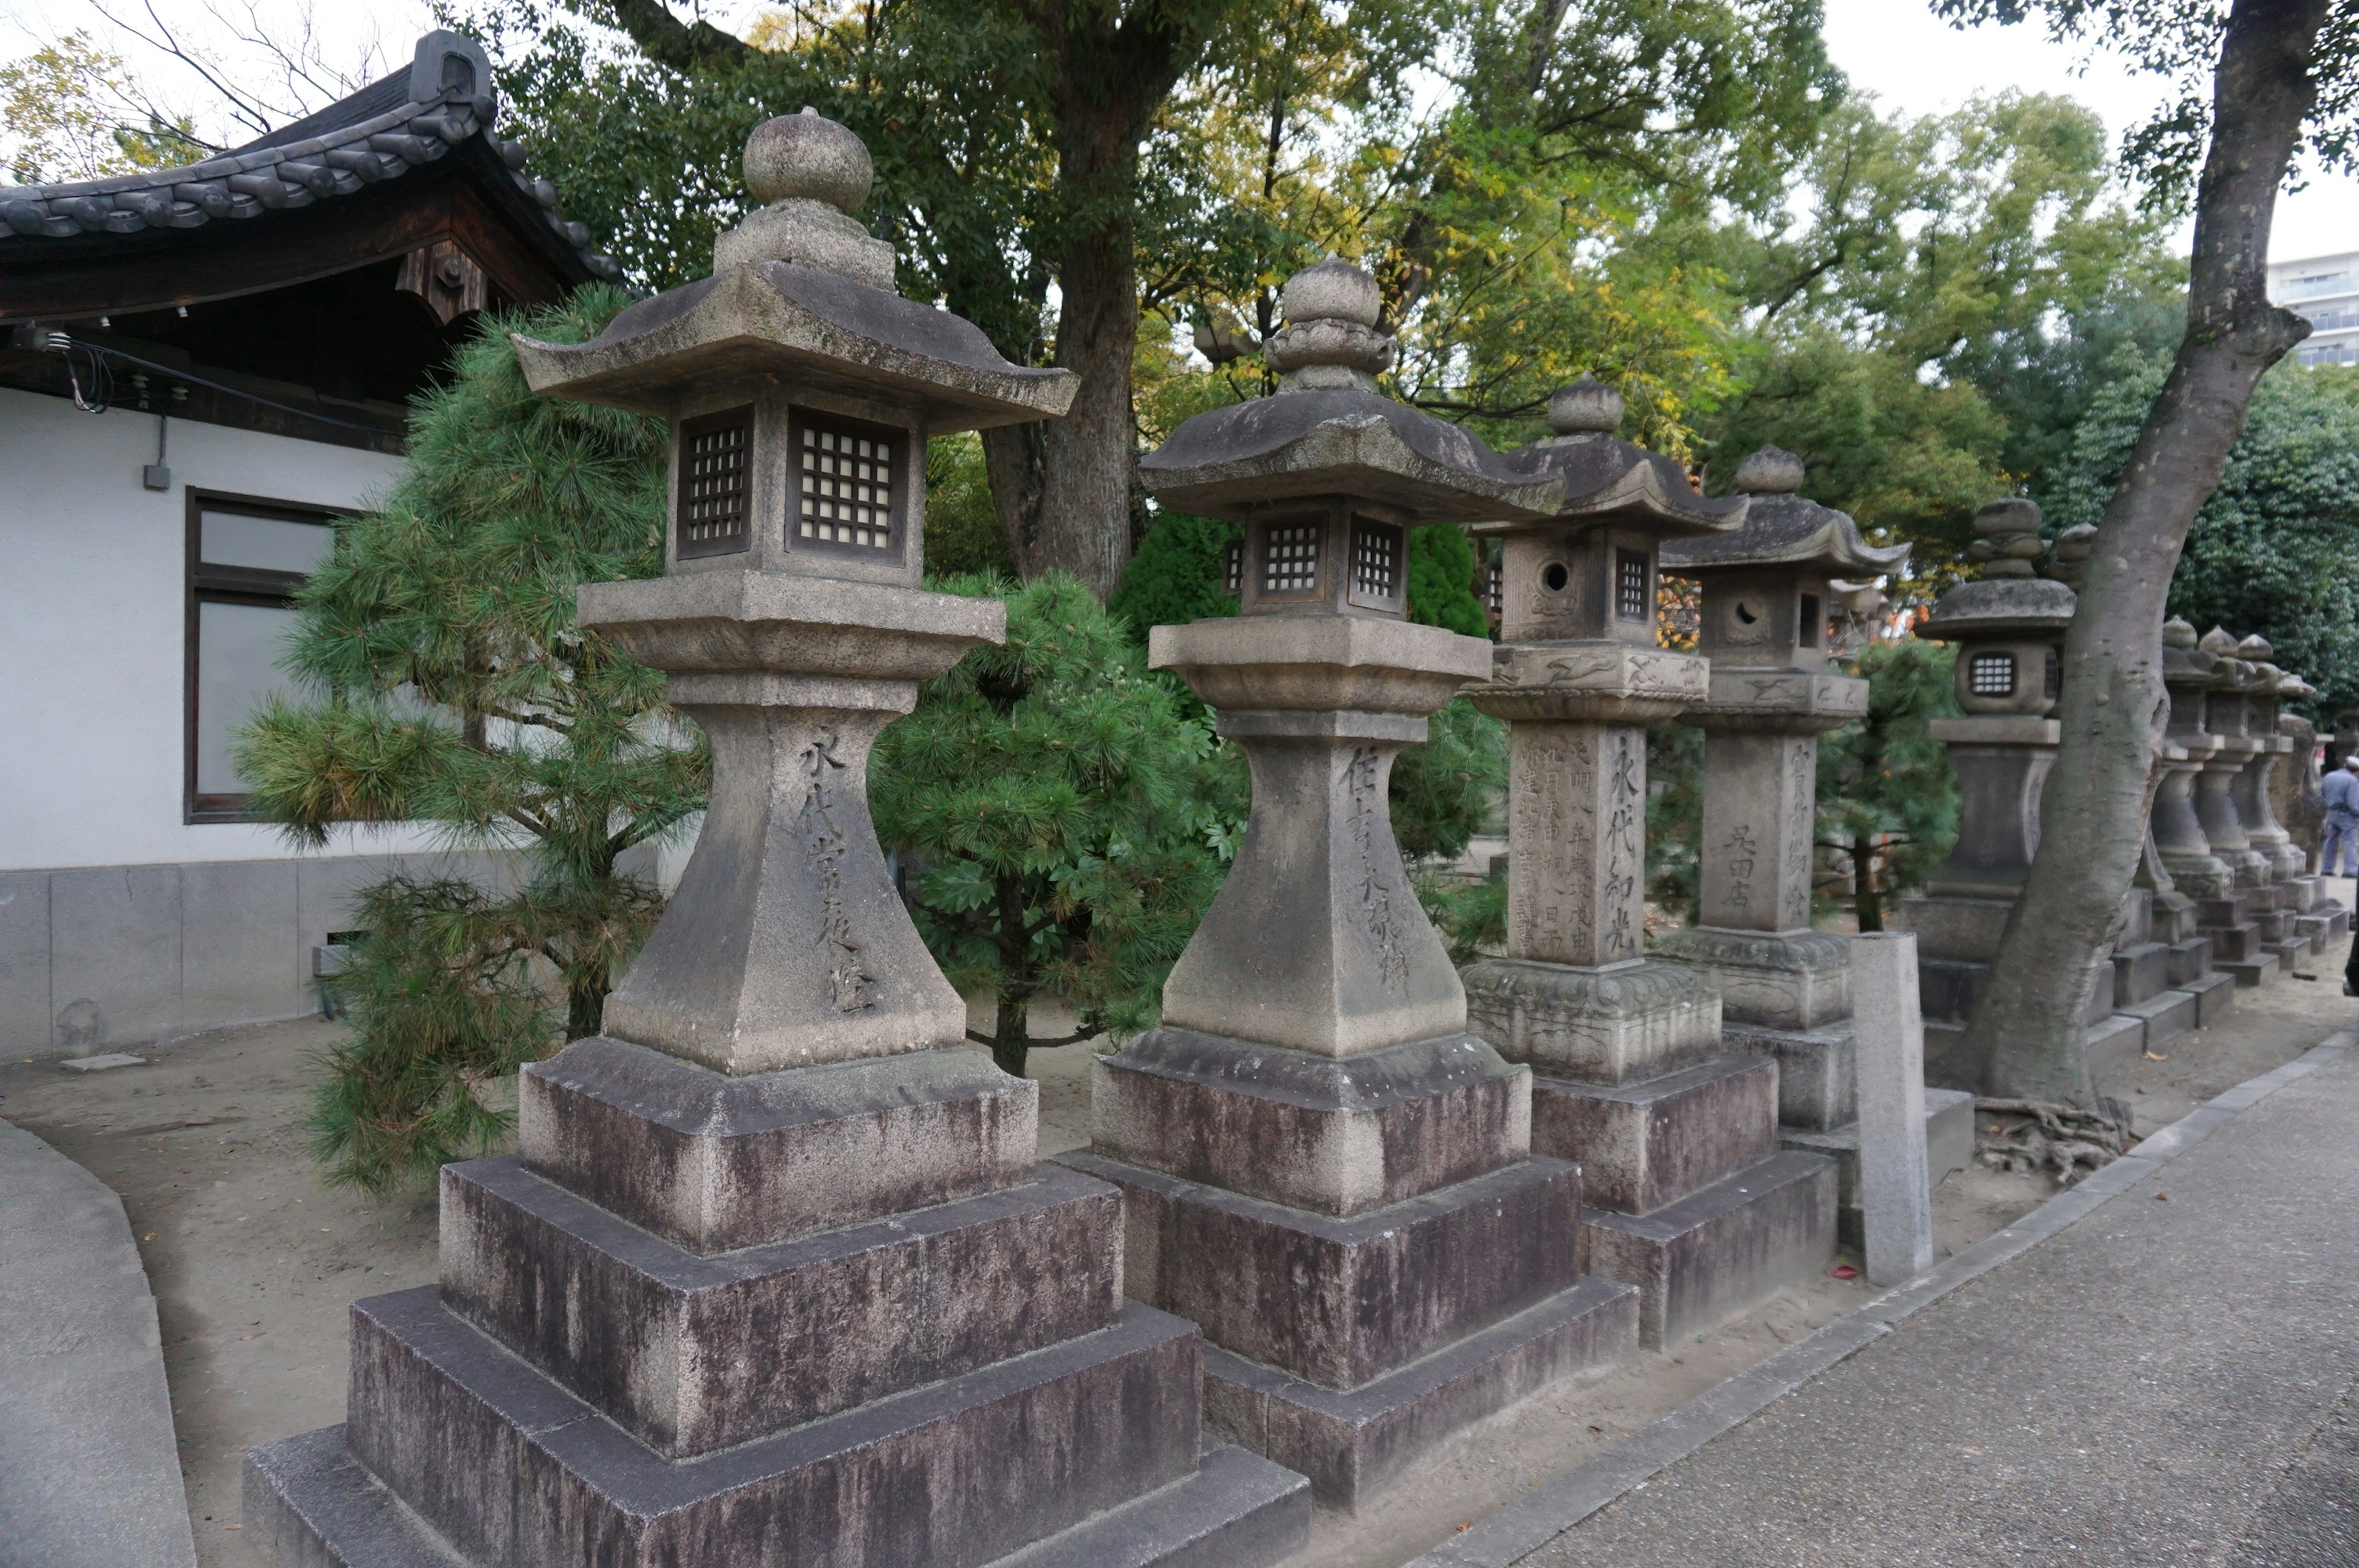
[1633,587]
[1991,675]
[1289,559]
[1379,564]
[714,504]
[847,484]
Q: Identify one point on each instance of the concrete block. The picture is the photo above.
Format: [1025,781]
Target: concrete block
[1949,1149]
[711,1162]
[2214,993]
[1895,1193]
[241,950]
[2315,930]
[2257,970]
[1333,1135]
[692,1354]
[2140,973]
[2189,961]
[2233,908]
[114,968]
[1947,988]
[1815,1086]
[2114,1041]
[1793,979]
[1351,1444]
[310,1504]
[1339,1302]
[1709,1257]
[1946,1064]
[2233,944]
[25,1011]
[1600,1026]
[501,1462]
[1640,1146]
[2277,926]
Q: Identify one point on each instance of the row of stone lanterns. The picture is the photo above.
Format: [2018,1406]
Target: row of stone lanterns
[776,1278]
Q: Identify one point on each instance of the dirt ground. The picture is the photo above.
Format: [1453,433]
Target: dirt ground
[253,1262]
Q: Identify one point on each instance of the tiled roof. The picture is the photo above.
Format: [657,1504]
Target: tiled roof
[383,131]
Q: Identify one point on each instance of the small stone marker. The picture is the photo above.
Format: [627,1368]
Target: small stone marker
[100,1062]
[1896,1192]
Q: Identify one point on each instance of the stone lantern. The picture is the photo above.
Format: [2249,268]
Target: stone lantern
[2254,803]
[1323,1168]
[776,1279]
[1686,1192]
[2008,628]
[1785,989]
[2240,921]
[2184,872]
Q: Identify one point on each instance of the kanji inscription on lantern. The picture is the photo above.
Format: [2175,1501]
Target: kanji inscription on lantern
[825,843]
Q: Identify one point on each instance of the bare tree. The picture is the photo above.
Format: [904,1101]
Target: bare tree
[2280,79]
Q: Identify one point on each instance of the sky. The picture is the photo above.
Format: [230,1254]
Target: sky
[1896,48]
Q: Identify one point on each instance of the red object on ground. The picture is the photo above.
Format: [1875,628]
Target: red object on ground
[1845,1271]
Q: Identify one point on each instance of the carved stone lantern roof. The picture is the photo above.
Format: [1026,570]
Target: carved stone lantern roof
[2184,660]
[1607,478]
[1326,432]
[2007,600]
[1781,528]
[802,297]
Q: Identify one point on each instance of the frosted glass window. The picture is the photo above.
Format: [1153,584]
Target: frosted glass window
[262,543]
[237,652]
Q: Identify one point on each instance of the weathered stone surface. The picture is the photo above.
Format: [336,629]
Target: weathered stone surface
[1815,1086]
[1708,1257]
[1949,1149]
[510,1468]
[712,1161]
[1896,1192]
[2214,993]
[1760,806]
[1338,1302]
[2189,961]
[2140,973]
[2002,764]
[310,1504]
[1334,1136]
[1954,928]
[1576,808]
[2165,1016]
[692,1354]
[1642,1145]
[1603,1026]
[1793,979]
[1352,1444]
[1590,681]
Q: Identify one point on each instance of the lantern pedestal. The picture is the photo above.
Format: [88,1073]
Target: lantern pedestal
[1675,1133]
[1321,1167]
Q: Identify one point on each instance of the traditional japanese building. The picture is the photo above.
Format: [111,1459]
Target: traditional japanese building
[199,368]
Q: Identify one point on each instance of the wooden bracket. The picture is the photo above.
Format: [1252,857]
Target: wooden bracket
[446,278]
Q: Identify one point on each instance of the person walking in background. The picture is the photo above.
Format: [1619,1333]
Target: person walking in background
[2339,858]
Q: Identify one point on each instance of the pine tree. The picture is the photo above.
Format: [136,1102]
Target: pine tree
[1887,795]
[450,686]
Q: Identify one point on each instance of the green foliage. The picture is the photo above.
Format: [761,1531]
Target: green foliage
[1441,582]
[451,686]
[1180,574]
[1887,795]
[1674,815]
[69,111]
[2276,548]
[963,533]
[1470,916]
[1066,821]
[1447,789]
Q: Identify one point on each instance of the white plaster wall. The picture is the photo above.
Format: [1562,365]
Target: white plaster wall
[92,604]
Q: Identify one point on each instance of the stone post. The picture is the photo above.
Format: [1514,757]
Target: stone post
[1896,1185]
[1676,1131]
[2009,627]
[1323,1168]
[2244,921]
[2253,788]
[775,1279]
[1785,989]
[2176,832]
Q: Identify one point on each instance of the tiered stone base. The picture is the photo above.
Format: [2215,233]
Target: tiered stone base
[1381,1263]
[953,1383]
[1949,1149]
[2239,942]
[1686,1195]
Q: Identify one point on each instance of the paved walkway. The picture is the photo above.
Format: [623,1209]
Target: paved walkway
[2168,1380]
[88,1476]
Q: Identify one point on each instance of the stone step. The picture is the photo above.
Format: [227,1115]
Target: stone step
[310,1504]
[1708,1258]
[2166,1017]
[500,1462]
[1949,1148]
[1640,1146]
[2276,926]
[2233,944]
[2255,970]
[2292,954]
[1352,1444]
[1816,1086]
[2190,960]
[2315,929]
[2214,993]
[1340,1302]
[2140,973]
[690,1354]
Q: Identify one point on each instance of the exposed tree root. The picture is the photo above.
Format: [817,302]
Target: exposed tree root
[2025,1135]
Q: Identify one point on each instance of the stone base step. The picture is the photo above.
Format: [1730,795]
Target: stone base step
[1351,1443]
[2292,954]
[2214,993]
[1949,1148]
[1815,1080]
[2166,1017]
[310,1504]
[2259,969]
[2233,944]
[2112,1035]
[507,1467]
[2315,929]
[1705,1259]
[2140,974]
[1642,1145]
[2190,960]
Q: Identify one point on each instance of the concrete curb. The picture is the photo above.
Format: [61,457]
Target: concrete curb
[90,1472]
[1557,1505]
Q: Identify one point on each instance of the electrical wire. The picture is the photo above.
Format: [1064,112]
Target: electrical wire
[103,378]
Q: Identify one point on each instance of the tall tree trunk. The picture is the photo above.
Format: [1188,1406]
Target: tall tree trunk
[2028,1031]
[1865,902]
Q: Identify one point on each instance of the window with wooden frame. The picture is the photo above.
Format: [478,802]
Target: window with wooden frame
[1634,586]
[246,558]
[849,482]
[1377,563]
[716,484]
